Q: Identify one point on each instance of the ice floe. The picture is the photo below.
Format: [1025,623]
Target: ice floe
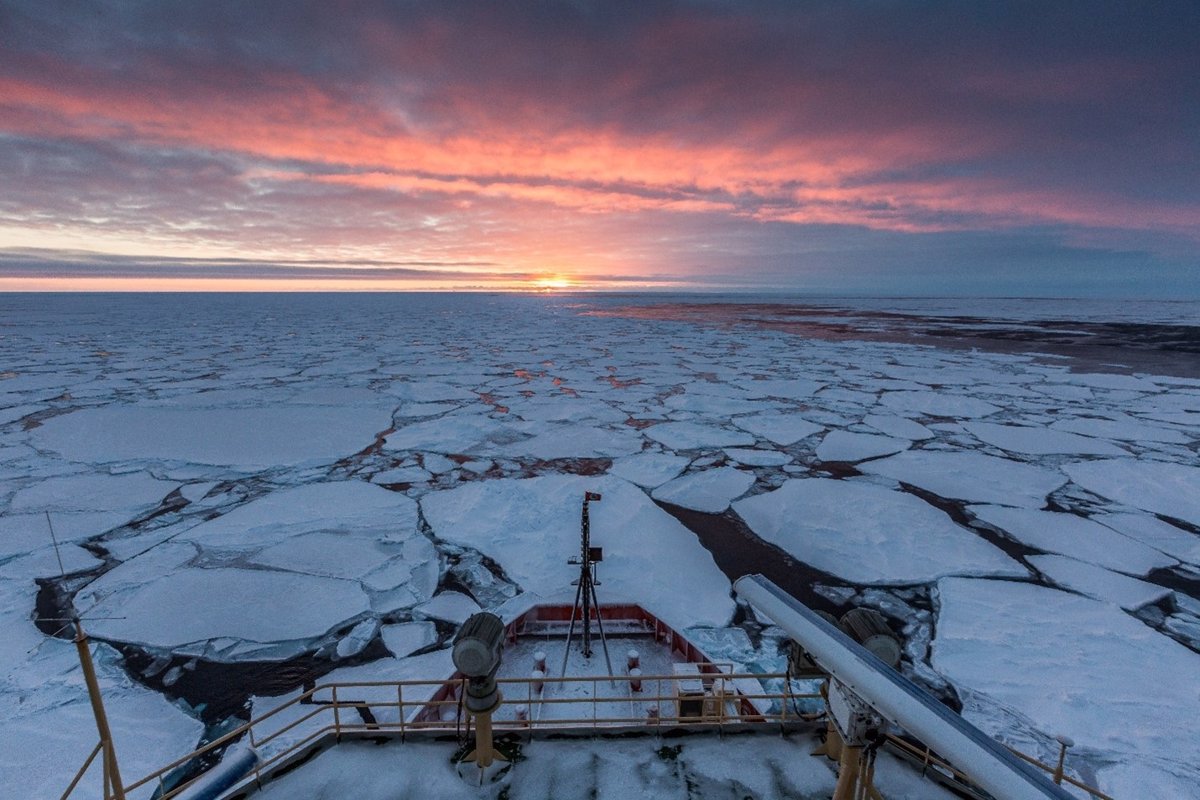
[898,427]
[531,527]
[758,458]
[938,404]
[408,637]
[1062,663]
[695,435]
[847,446]
[246,439]
[210,611]
[889,538]
[1172,490]
[779,428]
[1040,440]
[449,606]
[1075,536]
[964,475]
[648,470]
[1098,583]
[709,490]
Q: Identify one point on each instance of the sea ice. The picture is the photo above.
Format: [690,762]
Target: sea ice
[531,527]
[569,440]
[333,506]
[1074,536]
[408,637]
[786,388]
[778,428]
[758,458]
[1040,440]
[709,490]
[846,446]
[1172,490]
[889,537]
[1121,427]
[898,427]
[1098,583]
[246,439]
[938,404]
[1160,535]
[648,470]
[449,606]
[413,474]
[127,493]
[196,606]
[48,729]
[453,433]
[694,435]
[1062,663]
[962,475]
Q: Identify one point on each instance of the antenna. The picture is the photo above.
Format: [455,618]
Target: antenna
[585,593]
[114,787]
[62,573]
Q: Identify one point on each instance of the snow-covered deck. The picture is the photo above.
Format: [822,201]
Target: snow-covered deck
[768,767]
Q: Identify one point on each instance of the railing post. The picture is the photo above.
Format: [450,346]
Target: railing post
[400,707]
[1063,743]
[529,705]
[337,716]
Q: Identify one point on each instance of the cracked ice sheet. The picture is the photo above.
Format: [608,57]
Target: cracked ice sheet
[1152,531]
[1062,664]
[846,446]
[694,436]
[212,610]
[1172,490]
[648,470]
[1074,536]
[531,527]
[779,428]
[321,555]
[1040,441]
[937,404]
[899,427]
[889,538]
[710,490]
[80,506]
[243,439]
[1098,583]
[963,475]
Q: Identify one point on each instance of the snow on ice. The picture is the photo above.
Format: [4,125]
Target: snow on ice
[1172,490]
[970,476]
[531,527]
[891,538]
[1067,665]
[1075,536]
[709,490]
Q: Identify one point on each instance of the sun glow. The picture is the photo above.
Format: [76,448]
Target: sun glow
[552,283]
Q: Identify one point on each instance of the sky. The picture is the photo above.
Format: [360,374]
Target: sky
[877,147]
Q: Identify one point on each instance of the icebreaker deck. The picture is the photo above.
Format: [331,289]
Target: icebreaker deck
[646,711]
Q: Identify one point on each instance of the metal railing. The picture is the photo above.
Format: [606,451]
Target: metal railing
[432,707]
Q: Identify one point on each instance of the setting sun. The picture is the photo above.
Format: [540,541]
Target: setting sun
[552,283]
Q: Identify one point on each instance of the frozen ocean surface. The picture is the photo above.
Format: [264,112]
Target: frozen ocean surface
[253,491]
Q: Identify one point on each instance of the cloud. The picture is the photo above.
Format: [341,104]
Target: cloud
[571,135]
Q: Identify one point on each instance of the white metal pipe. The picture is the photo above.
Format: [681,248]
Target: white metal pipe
[898,699]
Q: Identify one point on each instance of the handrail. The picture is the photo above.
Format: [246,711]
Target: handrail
[411,716]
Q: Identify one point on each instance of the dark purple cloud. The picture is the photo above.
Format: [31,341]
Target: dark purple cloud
[1021,141]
